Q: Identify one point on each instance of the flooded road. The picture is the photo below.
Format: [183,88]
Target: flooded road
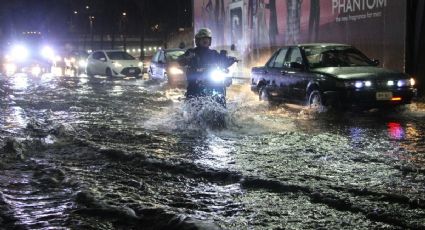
[99,153]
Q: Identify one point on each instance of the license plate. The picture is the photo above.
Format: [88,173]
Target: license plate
[384,96]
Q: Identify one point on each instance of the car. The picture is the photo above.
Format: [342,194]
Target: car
[338,75]
[28,58]
[75,62]
[113,63]
[164,66]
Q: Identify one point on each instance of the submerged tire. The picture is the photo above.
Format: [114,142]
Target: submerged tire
[315,101]
[263,94]
[108,72]
[89,73]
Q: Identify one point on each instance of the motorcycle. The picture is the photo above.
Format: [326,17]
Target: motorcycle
[207,94]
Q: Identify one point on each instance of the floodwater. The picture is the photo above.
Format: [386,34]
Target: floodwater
[99,153]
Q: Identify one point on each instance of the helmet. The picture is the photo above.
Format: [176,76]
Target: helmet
[203,33]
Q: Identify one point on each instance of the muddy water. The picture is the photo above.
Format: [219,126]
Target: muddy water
[96,153]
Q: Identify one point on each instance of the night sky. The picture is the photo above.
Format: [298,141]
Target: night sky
[64,17]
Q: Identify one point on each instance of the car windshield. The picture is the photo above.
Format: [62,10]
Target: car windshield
[120,55]
[335,56]
[173,55]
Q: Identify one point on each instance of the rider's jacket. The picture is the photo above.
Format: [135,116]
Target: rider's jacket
[198,58]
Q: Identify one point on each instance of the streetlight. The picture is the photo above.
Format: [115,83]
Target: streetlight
[91,20]
[123,27]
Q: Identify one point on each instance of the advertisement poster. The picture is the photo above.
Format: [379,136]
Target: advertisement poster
[258,27]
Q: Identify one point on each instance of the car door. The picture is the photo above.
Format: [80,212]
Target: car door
[296,76]
[103,63]
[96,64]
[91,62]
[276,74]
[160,68]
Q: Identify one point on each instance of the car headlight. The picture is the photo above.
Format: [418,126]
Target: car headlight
[117,64]
[175,71]
[82,63]
[406,82]
[10,68]
[48,53]
[217,75]
[357,84]
[19,53]
[36,70]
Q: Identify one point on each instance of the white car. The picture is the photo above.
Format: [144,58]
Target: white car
[113,63]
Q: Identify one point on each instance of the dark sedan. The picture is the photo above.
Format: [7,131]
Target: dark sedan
[164,66]
[330,75]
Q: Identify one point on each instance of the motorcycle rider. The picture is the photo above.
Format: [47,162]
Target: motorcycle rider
[200,57]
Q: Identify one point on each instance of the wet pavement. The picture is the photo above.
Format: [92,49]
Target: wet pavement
[99,153]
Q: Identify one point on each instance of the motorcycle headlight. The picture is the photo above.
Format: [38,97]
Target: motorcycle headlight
[217,75]
[175,71]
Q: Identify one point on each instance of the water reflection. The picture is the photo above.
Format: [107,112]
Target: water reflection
[396,131]
[19,81]
[14,119]
[117,90]
[217,154]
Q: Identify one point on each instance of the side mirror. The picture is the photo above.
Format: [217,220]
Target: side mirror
[376,62]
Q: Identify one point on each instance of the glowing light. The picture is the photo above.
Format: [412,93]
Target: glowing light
[36,70]
[358,84]
[412,81]
[20,53]
[368,83]
[396,99]
[82,63]
[395,130]
[175,71]
[48,53]
[217,75]
[390,83]
[10,68]
[117,65]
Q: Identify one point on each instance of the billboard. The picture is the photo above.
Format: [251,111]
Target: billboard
[257,27]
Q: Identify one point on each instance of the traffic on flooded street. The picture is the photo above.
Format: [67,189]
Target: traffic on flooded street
[100,153]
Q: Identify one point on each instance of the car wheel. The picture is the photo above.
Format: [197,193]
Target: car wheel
[263,94]
[89,73]
[315,101]
[108,72]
